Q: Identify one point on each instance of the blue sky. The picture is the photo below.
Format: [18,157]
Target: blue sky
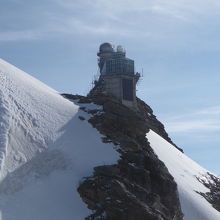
[177,43]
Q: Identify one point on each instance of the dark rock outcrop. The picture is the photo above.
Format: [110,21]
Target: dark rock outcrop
[212,183]
[144,111]
[139,186]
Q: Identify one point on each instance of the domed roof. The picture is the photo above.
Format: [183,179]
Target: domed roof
[106,47]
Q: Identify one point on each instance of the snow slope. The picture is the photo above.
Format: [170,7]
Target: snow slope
[185,171]
[45,150]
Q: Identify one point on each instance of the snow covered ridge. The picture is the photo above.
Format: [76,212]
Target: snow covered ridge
[45,150]
[28,115]
[47,147]
[186,173]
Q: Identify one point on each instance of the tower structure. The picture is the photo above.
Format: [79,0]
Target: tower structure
[117,74]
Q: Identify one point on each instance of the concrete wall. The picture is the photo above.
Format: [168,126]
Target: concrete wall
[113,85]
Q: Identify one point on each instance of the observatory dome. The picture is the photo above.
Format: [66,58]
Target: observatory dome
[120,49]
[106,47]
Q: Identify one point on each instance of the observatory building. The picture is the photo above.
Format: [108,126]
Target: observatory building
[117,74]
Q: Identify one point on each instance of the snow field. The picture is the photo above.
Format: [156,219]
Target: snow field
[185,172]
[45,150]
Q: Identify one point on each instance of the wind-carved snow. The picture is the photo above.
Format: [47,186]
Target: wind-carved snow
[27,108]
[45,150]
[4,129]
[185,172]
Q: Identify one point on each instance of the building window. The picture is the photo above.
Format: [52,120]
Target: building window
[127,88]
[119,66]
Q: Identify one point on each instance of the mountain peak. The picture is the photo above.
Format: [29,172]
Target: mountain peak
[73,157]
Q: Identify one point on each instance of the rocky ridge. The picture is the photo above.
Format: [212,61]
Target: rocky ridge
[139,186]
[213,184]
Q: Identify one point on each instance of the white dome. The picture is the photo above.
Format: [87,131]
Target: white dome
[120,49]
[106,47]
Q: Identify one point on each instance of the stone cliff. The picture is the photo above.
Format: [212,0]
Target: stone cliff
[139,186]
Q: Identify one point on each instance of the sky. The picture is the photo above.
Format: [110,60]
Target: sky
[175,43]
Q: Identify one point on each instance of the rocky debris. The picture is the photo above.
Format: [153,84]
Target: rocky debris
[127,191]
[139,187]
[213,183]
[144,112]
[79,98]
[81,118]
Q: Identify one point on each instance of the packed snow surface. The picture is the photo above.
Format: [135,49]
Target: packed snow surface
[45,150]
[185,172]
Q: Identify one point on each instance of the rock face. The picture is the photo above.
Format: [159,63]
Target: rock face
[213,196]
[139,186]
